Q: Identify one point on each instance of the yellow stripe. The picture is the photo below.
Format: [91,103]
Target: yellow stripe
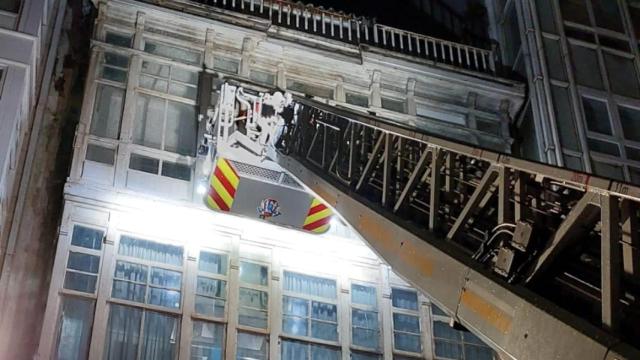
[321,229]
[228,173]
[317,216]
[315,202]
[212,204]
[222,192]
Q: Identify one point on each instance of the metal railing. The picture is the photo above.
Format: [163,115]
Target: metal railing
[362,31]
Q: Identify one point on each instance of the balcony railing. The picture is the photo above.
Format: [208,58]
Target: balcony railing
[359,30]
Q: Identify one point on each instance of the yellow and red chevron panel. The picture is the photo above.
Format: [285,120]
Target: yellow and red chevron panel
[223,186]
[318,218]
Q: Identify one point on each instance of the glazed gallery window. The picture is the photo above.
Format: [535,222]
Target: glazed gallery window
[107,111]
[83,261]
[211,285]
[134,333]
[207,341]
[173,52]
[252,346]
[406,320]
[253,307]
[309,307]
[148,272]
[76,323]
[365,326]
[169,79]
[165,125]
[454,344]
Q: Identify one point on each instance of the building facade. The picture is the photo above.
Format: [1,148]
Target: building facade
[28,39]
[144,270]
[581,61]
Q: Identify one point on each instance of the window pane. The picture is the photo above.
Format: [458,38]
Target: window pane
[407,323]
[166,278]
[172,52]
[294,350]
[393,105]
[365,295]
[161,337]
[155,69]
[87,237]
[262,77]
[152,83]
[213,263]
[604,147]
[107,112]
[76,323]
[478,352]
[596,115]
[576,11]
[150,250]
[253,318]
[608,170]
[311,90]
[607,14]
[253,273]
[622,75]
[181,129]
[80,282]
[189,92]
[630,121]
[295,325]
[322,311]
[573,162]
[365,338]
[406,342]
[585,63]
[404,299]
[633,153]
[176,171]
[211,287]
[207,341]
[545,16]
[254,305]
[128,291]
[226,64]
[149,121]
[185,76]
[324,331]
[295,306]
[123,332]
[254,298]
[358,100]
[130,271]
[144,163]
[309,285]
[164,297]
[209,307]
[555,63]
[100,154]
[634,13]
[83,262]
[444,331]
[114,74]
[319,352]
[364,319]
[564,118]
[448,350]
[252,347]
[118,39]
[437,311]
[364,356]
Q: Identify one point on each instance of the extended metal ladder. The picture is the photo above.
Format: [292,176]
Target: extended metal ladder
[541,262]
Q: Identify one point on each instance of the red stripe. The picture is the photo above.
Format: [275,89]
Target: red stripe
[215,197]
[225,182]
[316,209]
[231,167]
[317,223]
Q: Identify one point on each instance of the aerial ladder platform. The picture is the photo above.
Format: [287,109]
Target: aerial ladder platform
[540,262]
